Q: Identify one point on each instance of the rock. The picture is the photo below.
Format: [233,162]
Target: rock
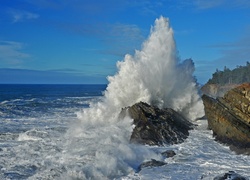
[168,153]
[152,163]
[154,126]
[231,175]
[229,117]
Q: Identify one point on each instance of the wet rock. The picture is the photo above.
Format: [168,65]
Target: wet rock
[231,175]
[152,163]
[154,126]
[168,153]
[229,118]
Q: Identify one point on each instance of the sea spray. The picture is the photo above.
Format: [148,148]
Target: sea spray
[100,141]
[156,76]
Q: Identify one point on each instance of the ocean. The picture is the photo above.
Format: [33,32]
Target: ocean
[35,142]
[34,119]
[74,131]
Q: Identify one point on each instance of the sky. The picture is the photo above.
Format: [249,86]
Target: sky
[80,41]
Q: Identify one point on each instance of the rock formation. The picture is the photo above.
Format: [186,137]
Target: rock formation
[168,153]
[229,117]
[154,126]
[231,175]
[152,163]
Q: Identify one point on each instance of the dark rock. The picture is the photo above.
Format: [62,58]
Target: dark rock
[152,163]
[168,153]
[154,126]
[229,117]
[231,175]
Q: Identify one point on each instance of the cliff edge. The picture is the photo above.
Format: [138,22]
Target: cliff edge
[229,117]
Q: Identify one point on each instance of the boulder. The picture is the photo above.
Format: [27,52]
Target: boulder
[152,163]
[154,126]
[229,117]
[168,153]
[231,175]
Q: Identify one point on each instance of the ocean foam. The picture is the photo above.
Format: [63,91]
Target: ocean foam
[154,75]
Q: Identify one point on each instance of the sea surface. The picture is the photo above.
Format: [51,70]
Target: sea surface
[34,120]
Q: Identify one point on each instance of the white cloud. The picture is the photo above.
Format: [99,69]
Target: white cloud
[209,4]
[125,31]
[11,52]
[236,52]
[118,38]
[238,3]
[121,39]
[20,16]
[46,3]
[232,54]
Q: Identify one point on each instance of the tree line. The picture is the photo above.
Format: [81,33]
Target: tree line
[239,75]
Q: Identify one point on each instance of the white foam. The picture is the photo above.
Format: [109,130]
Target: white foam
[199,157]
[26,137]
[153,75]
[33,135]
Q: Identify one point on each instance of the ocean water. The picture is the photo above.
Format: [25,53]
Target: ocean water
[74,131]
[36,141]
[33,121]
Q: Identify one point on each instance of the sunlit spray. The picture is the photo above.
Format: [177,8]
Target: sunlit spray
[154,75]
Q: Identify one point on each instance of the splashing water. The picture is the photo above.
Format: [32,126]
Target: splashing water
[153,75]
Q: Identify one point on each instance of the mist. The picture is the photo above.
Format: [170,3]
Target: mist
[154,75]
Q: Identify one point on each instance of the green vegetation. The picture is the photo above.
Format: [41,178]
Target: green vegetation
[239,75]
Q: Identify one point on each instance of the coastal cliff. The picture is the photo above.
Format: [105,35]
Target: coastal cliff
[226,79]
[229,117]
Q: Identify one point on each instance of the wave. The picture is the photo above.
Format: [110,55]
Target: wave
[154,75]
[32,135]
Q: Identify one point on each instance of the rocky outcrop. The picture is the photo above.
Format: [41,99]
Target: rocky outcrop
[168,153]
[152,163]
[229,117]
[216,90]
[231,175]
[156,163]
[154,126]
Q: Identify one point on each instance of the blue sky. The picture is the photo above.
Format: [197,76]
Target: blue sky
[80,41]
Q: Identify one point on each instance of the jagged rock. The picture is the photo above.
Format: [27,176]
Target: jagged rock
[231,175]
[168,153]
[229,117]
[152,163]
[154,126]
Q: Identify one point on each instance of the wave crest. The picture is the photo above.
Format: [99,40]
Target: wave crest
[154,75]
